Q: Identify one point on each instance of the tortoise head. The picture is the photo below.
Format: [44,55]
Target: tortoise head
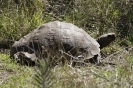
[105,39]
[22,54]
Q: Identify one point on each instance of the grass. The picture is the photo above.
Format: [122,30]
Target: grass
[94,16]
[13,75]
[114,72]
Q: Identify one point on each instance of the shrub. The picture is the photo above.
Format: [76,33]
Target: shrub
[18,17]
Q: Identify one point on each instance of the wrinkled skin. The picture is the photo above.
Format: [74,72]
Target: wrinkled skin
[58,39]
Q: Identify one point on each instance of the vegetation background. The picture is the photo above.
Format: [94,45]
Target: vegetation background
[97,17]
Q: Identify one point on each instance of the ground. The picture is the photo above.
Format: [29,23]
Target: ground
[115,71]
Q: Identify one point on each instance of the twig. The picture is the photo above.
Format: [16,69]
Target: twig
[121,50]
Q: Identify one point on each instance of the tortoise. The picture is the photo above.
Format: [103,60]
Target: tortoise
[56,39]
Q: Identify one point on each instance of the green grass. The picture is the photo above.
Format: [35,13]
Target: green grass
[16,20]
[96,17]
[13,75]
[119,75]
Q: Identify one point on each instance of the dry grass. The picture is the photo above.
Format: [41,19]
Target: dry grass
[115,71]
[96,17]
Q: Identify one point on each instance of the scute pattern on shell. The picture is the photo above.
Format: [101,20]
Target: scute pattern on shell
[57,36]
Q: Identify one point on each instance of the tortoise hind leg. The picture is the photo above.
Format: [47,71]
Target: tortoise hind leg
[94,60]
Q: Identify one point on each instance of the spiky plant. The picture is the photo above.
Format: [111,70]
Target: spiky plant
[43,76]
